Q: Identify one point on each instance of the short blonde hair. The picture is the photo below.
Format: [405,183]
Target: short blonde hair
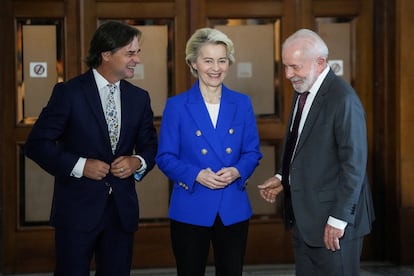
[202,37]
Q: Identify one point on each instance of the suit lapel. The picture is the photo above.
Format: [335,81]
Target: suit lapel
[226,116]
[127,107]
[199,113]
[94,101]
[315,110]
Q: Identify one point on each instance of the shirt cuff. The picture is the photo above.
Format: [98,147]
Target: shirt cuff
[337,223]
[78,169]
[139,173]
[278,176]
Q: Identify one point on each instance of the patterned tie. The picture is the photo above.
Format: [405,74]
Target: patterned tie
[112,117]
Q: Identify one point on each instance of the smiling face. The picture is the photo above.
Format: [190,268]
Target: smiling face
[121,63]
[300,69]
[212,65]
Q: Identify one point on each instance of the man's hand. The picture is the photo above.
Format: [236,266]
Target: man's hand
[95,169]
[331,237]
[125,166]
[270,189]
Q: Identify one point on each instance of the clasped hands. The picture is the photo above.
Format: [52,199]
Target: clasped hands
[122,167]
[219,179]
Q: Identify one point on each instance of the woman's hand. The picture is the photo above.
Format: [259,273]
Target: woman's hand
[228,175]
[211,179]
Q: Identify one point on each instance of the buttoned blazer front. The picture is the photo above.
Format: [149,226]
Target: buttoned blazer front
[188,143]
[73,125]
[328,170]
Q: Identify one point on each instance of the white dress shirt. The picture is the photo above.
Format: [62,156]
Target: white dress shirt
[103,89]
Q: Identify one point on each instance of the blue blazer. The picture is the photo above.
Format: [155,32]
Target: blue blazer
[73,125]
[188,143]
[328,170]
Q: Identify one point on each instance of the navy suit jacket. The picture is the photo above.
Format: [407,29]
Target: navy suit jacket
[73,125]
[328,170]
[189,143]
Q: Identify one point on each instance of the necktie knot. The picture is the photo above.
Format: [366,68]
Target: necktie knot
[299,109]
[112,88]
[302,99]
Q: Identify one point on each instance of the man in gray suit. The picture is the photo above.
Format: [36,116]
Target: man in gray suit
[327,198]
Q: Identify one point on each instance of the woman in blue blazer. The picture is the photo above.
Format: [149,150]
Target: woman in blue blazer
[209,147]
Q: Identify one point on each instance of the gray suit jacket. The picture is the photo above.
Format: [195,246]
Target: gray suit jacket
[328,170]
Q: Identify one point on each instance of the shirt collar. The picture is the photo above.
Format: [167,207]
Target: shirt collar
[317,84]
[101,82]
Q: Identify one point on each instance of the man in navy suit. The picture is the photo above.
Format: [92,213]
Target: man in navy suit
[95,205]
[327,196]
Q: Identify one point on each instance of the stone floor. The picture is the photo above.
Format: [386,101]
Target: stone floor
[367,269]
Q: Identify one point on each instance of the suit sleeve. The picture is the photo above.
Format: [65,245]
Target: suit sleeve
[42,143]
[250,151]
[350,133]
[170,147]
[147,141]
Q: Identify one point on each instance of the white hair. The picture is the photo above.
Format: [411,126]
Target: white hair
[312,43]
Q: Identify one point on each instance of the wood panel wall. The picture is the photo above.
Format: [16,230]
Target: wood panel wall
[405,122]
[384,79]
